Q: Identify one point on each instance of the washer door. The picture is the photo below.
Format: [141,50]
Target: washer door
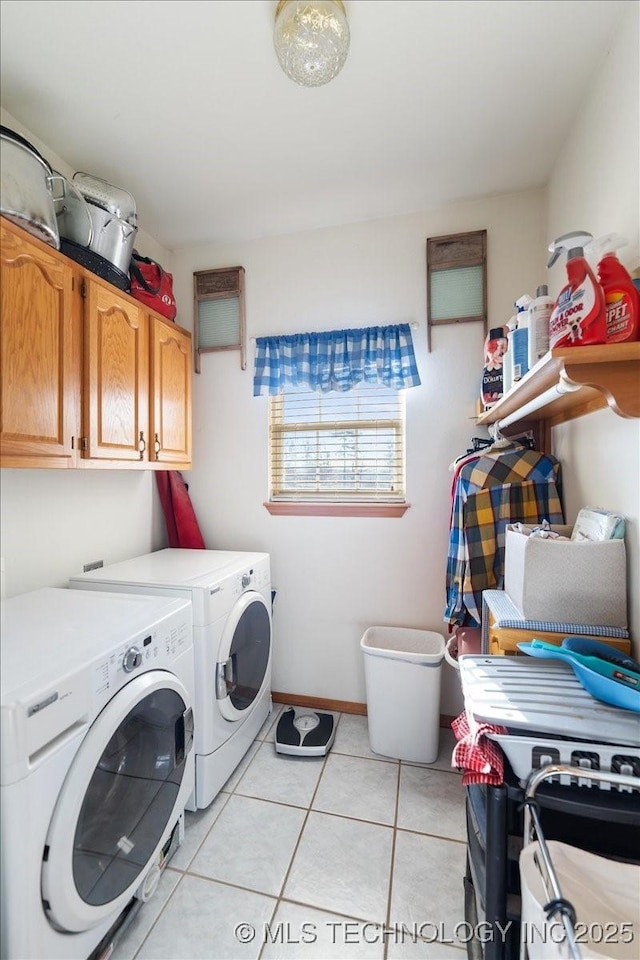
[124,787]
[244,656]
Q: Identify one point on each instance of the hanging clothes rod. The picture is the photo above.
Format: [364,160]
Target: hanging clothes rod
[560,389]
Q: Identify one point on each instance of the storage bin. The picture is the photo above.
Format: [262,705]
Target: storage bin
[402,669]
[562,581]
[603,893]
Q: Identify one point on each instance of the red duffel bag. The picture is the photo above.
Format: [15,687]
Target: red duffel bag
[152,285]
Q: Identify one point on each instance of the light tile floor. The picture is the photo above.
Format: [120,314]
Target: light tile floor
[347,856]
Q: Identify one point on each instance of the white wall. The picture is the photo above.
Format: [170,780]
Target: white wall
[54,521]
[335,577]
[596,187]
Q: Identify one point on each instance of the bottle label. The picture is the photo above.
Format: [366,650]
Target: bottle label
[492,374]
[540,332]
[520,346]
[491,387]
[573,317]
[619,316]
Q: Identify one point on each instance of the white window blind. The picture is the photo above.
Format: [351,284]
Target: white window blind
[338,447]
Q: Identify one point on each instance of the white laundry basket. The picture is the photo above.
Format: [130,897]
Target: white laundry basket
[402,669]
[603,893]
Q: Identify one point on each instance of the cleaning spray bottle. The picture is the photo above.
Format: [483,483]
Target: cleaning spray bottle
[620,294]
[520,338]
[539,313]
[578,318]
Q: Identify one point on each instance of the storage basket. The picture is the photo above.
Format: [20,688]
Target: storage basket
[603,894]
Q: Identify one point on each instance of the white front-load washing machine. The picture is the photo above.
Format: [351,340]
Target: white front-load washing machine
[97,761]
[232,636]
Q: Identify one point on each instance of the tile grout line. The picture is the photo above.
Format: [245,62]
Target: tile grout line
[297,844]
[162,910]
[393,860]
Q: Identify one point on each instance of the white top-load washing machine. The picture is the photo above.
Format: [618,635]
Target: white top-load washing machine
[97,761]
[231,599]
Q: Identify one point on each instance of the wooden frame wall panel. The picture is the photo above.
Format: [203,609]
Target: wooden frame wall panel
[221,283]
[451,252]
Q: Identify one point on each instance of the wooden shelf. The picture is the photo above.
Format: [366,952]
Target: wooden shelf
[607,375]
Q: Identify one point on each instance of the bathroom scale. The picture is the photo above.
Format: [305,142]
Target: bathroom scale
[304,733]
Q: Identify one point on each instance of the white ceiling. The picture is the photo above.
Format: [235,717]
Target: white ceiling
[183,103]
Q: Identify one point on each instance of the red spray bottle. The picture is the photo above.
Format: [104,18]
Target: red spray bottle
[620,294]
[578,318]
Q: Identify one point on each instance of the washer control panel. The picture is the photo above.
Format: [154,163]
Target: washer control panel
[153,650]
[255,577]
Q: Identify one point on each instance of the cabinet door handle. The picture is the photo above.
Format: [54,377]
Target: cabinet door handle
[142,445]
[156,445]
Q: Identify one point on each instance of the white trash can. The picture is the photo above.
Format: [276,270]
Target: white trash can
[402,669]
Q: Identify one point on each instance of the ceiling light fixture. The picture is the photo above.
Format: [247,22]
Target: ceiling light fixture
[311,38]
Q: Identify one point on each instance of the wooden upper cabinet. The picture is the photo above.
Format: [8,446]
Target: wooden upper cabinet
[116,416]
[77,352]
[39,351]
[170,393]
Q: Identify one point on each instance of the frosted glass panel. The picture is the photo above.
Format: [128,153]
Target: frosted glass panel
[456,293]
[219,323]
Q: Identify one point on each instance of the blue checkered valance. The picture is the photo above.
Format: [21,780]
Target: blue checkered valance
[337,360]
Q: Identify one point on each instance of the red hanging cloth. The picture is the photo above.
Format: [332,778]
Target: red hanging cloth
[182,525]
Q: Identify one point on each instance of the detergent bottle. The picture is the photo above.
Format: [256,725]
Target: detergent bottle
[495,347]
[578,318]
[520,338]
[539,313]
[621,296]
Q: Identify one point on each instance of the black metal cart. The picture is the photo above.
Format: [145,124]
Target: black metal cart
[605,822]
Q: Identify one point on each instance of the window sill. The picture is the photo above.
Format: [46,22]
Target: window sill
[300,509]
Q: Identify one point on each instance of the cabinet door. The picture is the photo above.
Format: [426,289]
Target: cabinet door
[170,393]
[116,377]
[39,352]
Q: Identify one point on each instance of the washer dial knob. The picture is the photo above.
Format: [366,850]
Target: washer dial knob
[246,580]
[131,660]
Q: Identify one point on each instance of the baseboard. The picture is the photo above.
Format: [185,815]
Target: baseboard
[336,706]
[320,703]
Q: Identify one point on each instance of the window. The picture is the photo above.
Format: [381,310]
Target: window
[343,453]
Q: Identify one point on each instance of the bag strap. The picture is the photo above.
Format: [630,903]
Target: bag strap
[137,273]
[136,256]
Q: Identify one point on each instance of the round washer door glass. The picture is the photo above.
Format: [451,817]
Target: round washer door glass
[129,798]
[245,655]
[108,825]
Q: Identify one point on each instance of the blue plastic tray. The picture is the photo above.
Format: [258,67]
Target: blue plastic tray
[602,688]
